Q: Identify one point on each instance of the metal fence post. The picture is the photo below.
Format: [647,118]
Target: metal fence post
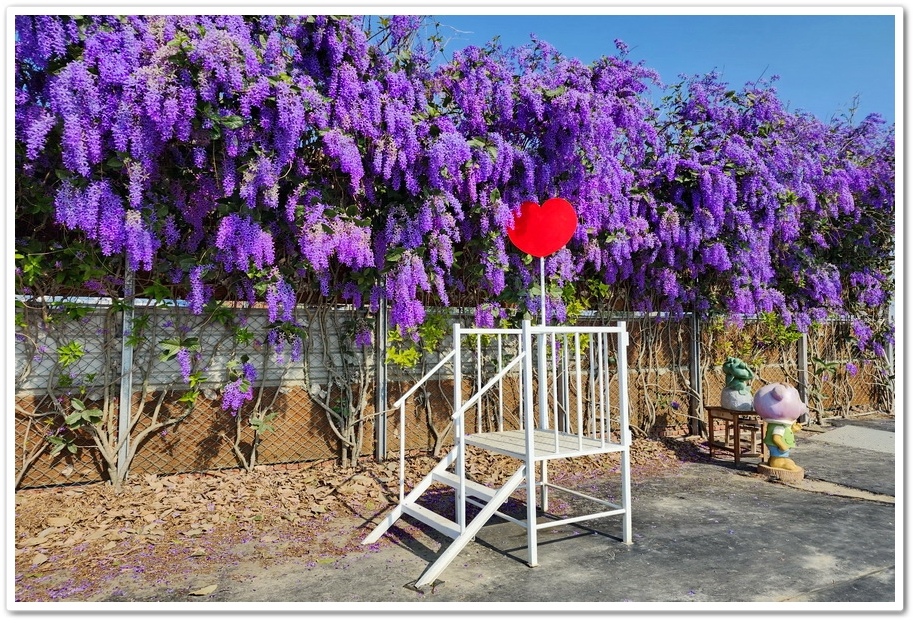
[891,318]
[127,366]
[696,390]
[381,381]
[802,364]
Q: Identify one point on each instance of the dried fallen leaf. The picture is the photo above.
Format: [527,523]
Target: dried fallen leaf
[198,552]
[38,559]
[205,590]
[59,522]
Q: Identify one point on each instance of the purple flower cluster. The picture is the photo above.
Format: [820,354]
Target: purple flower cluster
[281,301]
[184,362]
[240,389]
[241,243]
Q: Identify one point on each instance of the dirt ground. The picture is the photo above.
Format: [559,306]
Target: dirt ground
[88,543]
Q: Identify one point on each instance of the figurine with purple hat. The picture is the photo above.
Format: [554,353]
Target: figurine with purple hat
[781,407]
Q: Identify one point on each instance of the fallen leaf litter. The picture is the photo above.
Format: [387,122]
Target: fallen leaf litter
[182,531]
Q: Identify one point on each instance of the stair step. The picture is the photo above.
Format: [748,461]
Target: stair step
[473,489]
[432,519]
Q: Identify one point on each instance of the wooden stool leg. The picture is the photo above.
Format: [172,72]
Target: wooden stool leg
[736,430]
[711,433]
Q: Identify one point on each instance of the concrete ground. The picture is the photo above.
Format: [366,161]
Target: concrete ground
[712,535]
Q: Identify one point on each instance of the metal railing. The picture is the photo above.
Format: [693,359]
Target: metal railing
[563,383]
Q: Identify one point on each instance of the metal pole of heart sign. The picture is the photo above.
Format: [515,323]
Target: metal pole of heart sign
[541,230]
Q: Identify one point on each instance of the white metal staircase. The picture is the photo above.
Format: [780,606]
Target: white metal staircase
[566,411]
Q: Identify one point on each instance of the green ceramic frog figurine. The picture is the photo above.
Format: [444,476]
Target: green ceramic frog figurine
[737,391]
[737,374]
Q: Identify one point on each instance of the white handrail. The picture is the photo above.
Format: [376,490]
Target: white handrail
[428,375]
[536,330]
[463,331]
[400,404]
[483,390]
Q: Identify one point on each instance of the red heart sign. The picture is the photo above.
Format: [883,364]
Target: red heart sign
[540,230]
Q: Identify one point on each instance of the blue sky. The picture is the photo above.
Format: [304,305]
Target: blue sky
[823,61]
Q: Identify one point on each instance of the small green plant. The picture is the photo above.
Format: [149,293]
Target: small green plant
[70,353]
[195,380]
[405,352]
[402,353]
[81,416]
[776,333]
[263,423]
[61,442]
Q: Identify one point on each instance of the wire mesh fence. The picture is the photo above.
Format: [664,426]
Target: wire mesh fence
[314,393]
[825,364]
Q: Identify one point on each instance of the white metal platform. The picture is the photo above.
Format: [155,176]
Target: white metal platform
[571,414]
[548,444]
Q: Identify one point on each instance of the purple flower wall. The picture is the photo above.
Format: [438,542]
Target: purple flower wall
[268,156]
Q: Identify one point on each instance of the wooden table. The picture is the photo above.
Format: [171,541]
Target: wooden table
[747,445]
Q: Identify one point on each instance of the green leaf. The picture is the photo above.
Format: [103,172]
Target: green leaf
[93,416]
[233,122]
[172,345]
[189,397]
[395,254]
[57,445]
[75,311]
[263,424]
[196,378]
[244,335]
[403,357]
[170,348]
[157,292]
